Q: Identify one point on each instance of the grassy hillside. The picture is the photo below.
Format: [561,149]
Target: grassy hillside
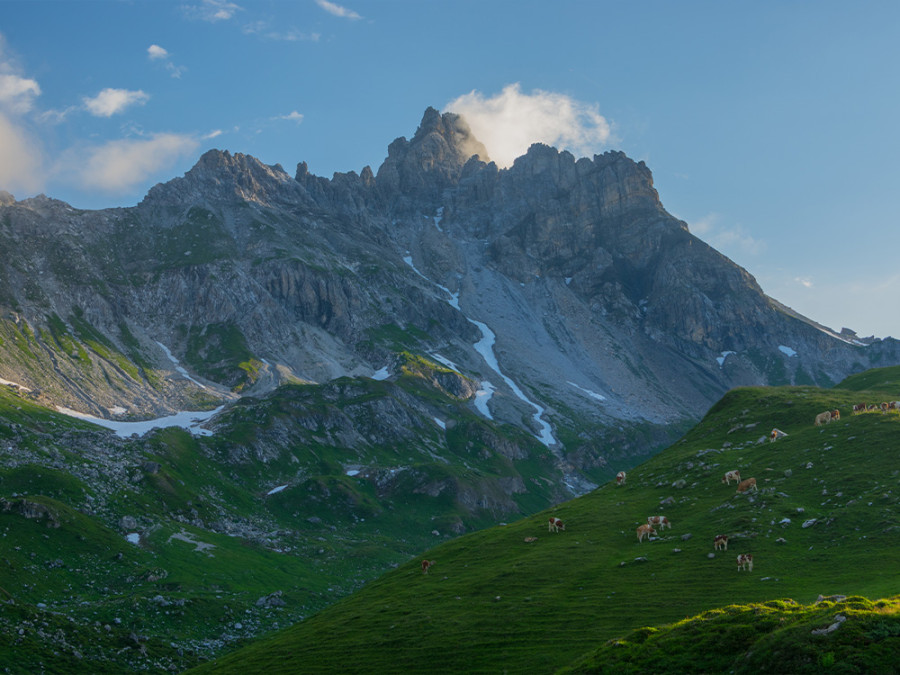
[152,553]
[824,521]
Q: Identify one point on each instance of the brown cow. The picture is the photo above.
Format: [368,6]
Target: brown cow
[745,485]
[732,476]
[720,541]
[645,529]
[859,408]
[662,521]
[823,418]
[620,478]
[745,562]
[776,434]
[555,525]
[835,415]
[425,565]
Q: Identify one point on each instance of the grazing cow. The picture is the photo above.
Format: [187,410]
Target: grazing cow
[620,478]
[645,529]
[732,476]
[884,407]
[745,562]
[662,521]
[745,485]
[425,565]
[823,418]
[859,408]
[776,434]
[720,541]
[871,407]
[556,525]
[835,415]
[894,405]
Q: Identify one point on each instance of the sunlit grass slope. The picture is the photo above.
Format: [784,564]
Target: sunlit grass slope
[849,635]
[826,521]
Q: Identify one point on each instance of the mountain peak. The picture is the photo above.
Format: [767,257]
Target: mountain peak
[433,159]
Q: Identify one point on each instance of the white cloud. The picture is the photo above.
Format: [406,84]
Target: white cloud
[212,134]
[806,282]
[337,10]
[17,94]
[511,121]
[121,165]
[212,10]
[111,101]
[20,158]
[293,116]
[156,52]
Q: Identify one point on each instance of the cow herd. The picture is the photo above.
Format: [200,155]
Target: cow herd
[720,541]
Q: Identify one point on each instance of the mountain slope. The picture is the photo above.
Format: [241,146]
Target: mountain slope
[824,521]
[587,315]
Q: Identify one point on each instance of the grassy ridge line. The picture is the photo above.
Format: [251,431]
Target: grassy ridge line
[493,602]
[851,636]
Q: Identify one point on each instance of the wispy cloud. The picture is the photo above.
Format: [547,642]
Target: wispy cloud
[17,94]
[212,134]
[211,10]
[338,10]
[730,240]
[806,282]
[20,158]
[511,121]
[121,165]
[157,53]
[292,116]
[112,101]
[264,30]
[21,155]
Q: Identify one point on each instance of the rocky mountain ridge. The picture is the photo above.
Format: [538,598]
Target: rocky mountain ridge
[561,286]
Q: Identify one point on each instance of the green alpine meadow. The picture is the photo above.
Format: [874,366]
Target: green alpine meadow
[822,529]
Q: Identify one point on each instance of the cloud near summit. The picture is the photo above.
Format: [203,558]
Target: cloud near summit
[510,122]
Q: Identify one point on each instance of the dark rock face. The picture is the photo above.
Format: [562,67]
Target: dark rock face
[604,309]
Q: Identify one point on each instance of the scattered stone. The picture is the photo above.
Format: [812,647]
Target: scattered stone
[640,559]
[679,484]
[530,540]
[838,620]
[687,536]
[271,600]
[788,473]
[667,501]
[710,555]
[781,540]
[809,465]
[676,550]
[127,523]
[809,523]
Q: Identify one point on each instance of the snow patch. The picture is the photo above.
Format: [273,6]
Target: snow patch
[276,490]
[445,361]
[133,537]
[786,351]
[725,355]
[482,397]
[441,423]
[438,218]
[117,410]
[381,374]
[187,420]
[177,365]
[592,394]
[454,297]
[353,472]
[485,347]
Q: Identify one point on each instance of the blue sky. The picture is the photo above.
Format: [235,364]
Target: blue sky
[770,127]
